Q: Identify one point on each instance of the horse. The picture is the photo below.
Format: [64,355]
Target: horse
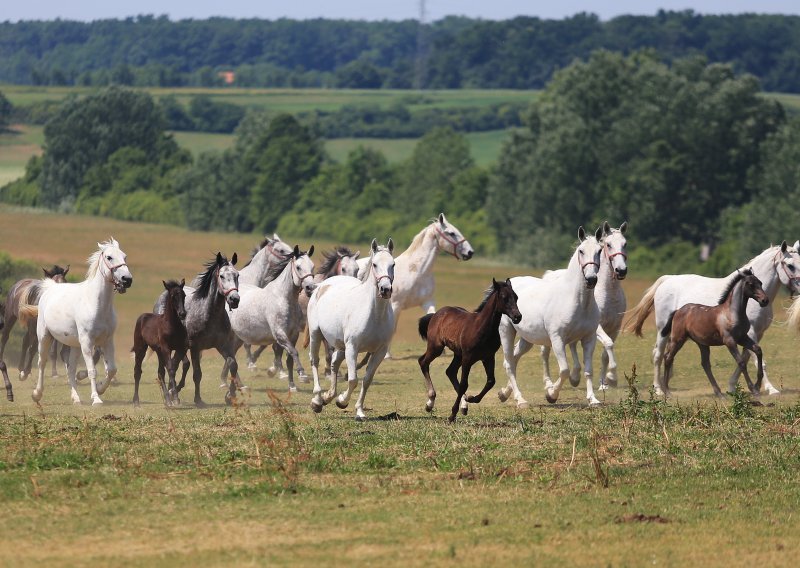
[163,333]
[3,368]
[208,324]
[414,285]
[724,324]
[339,262]
[80,315]
[775,266]
[556,312]
[354,315]
[272,315]
[29,341]
[610,298]
[471,336]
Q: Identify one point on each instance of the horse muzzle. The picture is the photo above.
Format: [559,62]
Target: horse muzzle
[763,302]
[385,292]
[233,300]
[467,255]
[591,282]
[620,273]
[516,318]
[309,288]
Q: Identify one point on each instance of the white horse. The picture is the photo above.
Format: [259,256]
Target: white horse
[556,312]
[353,315]
[272,315]
[82,315]
[774,266]
[413,283]
[610,298]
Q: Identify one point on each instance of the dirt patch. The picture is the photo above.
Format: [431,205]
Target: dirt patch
[641,518]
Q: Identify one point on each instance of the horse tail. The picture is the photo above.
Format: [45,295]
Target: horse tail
[638,314]
[28,308]
[307,336]
[424,322]
[668,327]
[794,315]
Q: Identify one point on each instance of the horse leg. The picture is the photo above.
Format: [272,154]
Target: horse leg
[285,342]
[328,355]
[336,362]
[277,363]
[110,365]
[750,345]
[705,362]
[488,365]
[511,355]
[6,381]
[139,351]
[72,368]
[552,390]
[544,352]
[197,376]
[44,349]
[364,361]
[608,362]
[432,351]
[351,356]
[461,389]
[588,343]
[184,372]
[658,357]
[172,369]
[365,384]
[732,346]
[54,358]
[10,320]
[314,339]
[163,359]
[251,361]
[87,350]
[575,371]
[27,346]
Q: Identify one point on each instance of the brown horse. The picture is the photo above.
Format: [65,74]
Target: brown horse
[724,324]
[3,369]
[11,314]
[471,336]
[163,333]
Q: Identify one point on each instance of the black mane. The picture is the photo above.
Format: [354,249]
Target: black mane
[332,257]
[205,280]
[170,284]
[732,284]
[486,296]
[276,269]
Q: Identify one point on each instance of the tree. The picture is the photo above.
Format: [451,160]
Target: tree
[5,111]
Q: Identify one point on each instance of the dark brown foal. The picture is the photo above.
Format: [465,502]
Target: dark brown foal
[471,336]
[163,333]
[724,324]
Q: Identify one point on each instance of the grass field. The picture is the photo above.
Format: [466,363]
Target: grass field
[637,481]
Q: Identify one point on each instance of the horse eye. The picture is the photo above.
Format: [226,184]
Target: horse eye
[108,258]
[791,267]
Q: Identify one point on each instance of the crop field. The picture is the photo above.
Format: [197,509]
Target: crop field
[693,480]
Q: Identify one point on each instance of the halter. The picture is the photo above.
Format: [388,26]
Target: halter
[379,278]
[792,279]
[611,262]
[222,288]
[296,273]
[271,249]
[112,268]
[453,242]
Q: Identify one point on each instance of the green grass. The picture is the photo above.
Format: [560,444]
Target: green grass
[695,481]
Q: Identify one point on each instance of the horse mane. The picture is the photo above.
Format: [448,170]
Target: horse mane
[416,242]
[56,270]
[94,259]
[170,284]
[732,284]
[487,294]
[276,269]
[258,248]
[205,279]
[332,257]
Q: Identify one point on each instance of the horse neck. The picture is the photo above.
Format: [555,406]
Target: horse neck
[765,269]
[575,284]
[255,273]
[171,312]
[284,285]
[488,319]
[380,305]
[422,251]
[607,282]
[102,288]
[737,302]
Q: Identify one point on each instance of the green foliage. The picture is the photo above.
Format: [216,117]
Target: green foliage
[212,116]
[25,191]
[12,270]
[6,110]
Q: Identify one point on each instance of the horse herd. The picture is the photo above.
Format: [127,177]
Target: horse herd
[351,305]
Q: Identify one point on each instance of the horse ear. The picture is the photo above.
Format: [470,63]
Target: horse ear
[234,259]
[494,283]
[606,228]
[65,271]
[164,282]
[441,219]
[598,234]
[374,245]
[296,251]
[390,244]
[219,258]
[275,236]
[796,245]
[310,251]
[623,227]
[46,273]
[581,233]
[183,282]
[508,282]
[355,256]
[784,246]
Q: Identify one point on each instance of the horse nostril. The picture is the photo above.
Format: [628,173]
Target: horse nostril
[468,254]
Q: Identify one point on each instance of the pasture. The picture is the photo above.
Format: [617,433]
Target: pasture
[636,481]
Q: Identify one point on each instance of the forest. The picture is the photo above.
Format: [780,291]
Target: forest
[451,53]
[690,154]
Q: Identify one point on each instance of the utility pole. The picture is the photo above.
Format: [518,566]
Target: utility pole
[422,48]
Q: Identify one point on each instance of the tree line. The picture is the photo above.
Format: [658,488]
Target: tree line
[689,154]
[458,52]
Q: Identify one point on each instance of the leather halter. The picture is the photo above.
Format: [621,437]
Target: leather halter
[611,262]
[271,249]
[296,273]
[222,288]
[794,280]
[453,242]
[379,278]
[112,268]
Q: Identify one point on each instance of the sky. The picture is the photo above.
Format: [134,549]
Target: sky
[87,10]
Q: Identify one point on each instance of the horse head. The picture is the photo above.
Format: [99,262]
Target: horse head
[176,296]
[450,240]
[382,267]
[347,264]
[752,287]
[303,269]
[228,279]
[788,267]
[588,253]
[113,266]
[615,249]
[56,274]
[507,300]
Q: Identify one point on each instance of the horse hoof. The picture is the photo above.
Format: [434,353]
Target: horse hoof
[595,403]
[452,418]
[360,418]
[612,381]
[23,376]
[341,404]
[252,366]
[772,390]
[271,372]
[524,405]
[292,388]
[549,398]
[36,395]
[316,407]
[95,402]
[200,404]
[464,410]
[575,381]
[81,375]
[283,375]
[603,387]
[502,395]
[429,407]
[228,399]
